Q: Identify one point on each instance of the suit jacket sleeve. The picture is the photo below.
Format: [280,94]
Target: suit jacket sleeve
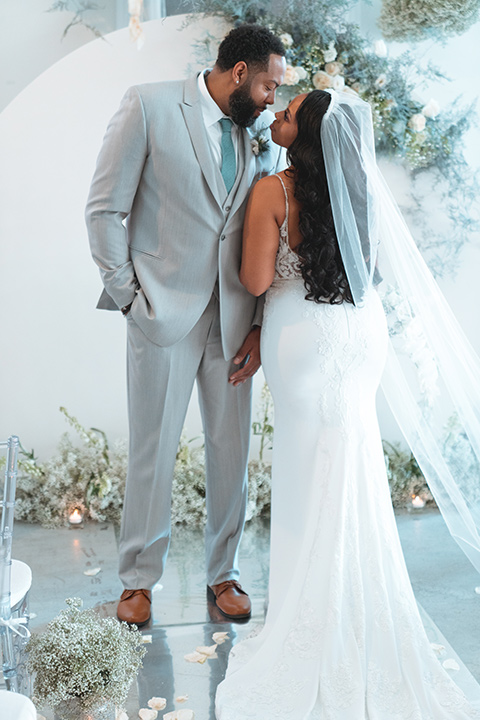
[115,182]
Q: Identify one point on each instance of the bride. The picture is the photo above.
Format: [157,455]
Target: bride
[342,639]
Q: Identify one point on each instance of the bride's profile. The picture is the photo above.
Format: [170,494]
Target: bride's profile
[343,638]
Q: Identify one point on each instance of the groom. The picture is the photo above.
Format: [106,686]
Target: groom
[165,216]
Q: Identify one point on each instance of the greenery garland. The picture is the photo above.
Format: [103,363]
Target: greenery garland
[324,51]
[421,19]
[91,477]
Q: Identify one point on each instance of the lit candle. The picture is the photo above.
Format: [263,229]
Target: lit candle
[418,502]
[76,517]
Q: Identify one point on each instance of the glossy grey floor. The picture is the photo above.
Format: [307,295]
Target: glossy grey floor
[443,580]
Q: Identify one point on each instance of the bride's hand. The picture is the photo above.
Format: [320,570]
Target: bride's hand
[248,357]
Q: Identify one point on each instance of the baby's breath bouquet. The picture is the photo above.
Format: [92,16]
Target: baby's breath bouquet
[83,663]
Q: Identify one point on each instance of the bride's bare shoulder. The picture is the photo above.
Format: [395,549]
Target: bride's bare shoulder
[269,189]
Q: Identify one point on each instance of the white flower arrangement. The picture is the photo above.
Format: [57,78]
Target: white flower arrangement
[431,109]
[322,80]
[286,39]
[291,76]
[259,142]
[418,20]
[417,122]
[84,663]
[330,54]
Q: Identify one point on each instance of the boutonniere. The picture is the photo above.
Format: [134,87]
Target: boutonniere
[260,142]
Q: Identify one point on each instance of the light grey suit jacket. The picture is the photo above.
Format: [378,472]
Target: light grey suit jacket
[161,226]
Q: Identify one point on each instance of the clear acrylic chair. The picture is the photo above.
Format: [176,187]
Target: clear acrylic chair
[15,581]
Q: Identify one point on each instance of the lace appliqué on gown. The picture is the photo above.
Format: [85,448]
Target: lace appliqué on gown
[343,639]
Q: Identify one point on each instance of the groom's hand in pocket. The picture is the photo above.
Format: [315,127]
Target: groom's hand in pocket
[248,357]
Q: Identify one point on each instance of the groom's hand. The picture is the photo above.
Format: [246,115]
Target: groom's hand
[248,357]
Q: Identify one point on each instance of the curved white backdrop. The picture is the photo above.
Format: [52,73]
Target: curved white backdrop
[56,349]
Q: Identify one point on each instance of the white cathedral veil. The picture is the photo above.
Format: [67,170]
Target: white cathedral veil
[432,376]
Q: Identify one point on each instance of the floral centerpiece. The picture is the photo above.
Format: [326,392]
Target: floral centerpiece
[422,19]
[90,477]
[324,50]
[84,664]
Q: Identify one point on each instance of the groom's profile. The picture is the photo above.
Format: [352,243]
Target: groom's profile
[165,216]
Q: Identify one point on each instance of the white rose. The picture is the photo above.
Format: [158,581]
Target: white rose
[381,80]
[338,82]
[286,39]
[333,68]
[417,122]
[291,76]
[322,80]
[431,109]
[330,54]
[380,49]
[301,72]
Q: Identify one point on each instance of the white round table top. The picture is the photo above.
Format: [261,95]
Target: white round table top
[16,707]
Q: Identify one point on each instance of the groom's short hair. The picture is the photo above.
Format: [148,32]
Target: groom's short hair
[252,44]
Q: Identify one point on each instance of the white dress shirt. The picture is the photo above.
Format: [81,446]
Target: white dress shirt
[211,116]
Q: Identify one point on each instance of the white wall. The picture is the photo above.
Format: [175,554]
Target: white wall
[56,348]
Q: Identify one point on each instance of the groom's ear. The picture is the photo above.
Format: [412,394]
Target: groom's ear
[239,72]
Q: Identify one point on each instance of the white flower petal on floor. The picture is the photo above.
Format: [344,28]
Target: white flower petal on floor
[121,715]
[146,639]
[451,664]
[147,714]
[196,657]
[185,714]
[221,637]
[181,698]
[209,651]
[477,590]
[438,649]
[157,703]
[92,572]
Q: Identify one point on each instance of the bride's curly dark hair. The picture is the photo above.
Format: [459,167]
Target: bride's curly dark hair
[322,266]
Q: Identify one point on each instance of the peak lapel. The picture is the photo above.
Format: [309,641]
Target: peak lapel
[192,114]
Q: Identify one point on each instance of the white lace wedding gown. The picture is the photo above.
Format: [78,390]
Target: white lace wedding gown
[343,639]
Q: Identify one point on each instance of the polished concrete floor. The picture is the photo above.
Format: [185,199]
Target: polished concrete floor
[443,580]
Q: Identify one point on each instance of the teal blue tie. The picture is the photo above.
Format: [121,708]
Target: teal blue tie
[228,154]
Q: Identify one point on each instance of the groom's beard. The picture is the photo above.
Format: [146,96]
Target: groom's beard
[242,106]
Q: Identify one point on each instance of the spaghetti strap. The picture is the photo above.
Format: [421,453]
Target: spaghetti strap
[285,222]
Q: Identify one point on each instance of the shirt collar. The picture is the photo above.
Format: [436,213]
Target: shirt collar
[210,110]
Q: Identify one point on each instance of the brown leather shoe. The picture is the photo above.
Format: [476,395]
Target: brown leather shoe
[134,607]
[231,600]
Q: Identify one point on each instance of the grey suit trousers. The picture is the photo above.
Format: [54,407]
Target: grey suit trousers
[160,382]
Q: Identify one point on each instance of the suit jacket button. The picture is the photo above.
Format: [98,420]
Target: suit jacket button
[228,208]
[222,237]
